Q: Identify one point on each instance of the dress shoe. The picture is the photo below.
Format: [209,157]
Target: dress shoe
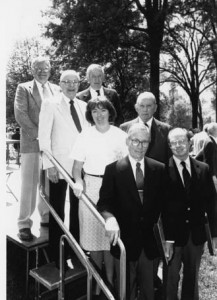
[25,234]
[44,224]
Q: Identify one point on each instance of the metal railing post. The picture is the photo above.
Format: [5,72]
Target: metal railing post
[76,247]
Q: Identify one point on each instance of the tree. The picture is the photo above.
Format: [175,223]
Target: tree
[101,31]
[187,64]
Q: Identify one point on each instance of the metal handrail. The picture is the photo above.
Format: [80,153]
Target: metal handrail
[73,243]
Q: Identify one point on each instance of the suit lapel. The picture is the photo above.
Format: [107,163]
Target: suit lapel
[129,180]
[87,95]
[174,173]
[65,111]
[195,170]
[153,135]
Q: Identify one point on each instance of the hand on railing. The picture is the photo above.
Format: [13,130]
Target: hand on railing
[112,230]
[78,188]
[53,174]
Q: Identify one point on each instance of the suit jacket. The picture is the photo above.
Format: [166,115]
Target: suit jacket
[182,216]
[119,196]
[57,131]
[209,155]
[158,148]
[111,95]
[27,107]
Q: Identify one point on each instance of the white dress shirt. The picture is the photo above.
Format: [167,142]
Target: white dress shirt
[94,92]
[133,163]
[149,123]
[40,88]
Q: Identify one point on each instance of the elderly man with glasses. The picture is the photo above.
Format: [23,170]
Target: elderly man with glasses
[189,198]
[29,97]
[130,201]
[60,123]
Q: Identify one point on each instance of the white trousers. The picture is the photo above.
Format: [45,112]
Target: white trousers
[30,171]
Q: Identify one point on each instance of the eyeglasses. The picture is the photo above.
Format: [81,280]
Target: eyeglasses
[178,143]
[69,82]
[137,142]
[42,70]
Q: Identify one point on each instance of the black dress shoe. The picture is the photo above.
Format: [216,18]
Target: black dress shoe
[25,234]
[44,224]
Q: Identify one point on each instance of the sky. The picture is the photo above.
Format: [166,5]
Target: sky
[21,19]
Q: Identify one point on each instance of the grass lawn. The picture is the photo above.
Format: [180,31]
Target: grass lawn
[208,277]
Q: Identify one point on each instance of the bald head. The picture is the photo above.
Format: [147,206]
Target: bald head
[146,106]
[212,129]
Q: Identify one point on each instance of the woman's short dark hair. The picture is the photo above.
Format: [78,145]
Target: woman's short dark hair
[100,102]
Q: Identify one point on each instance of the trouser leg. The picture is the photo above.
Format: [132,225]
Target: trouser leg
[57,201]
[173,276]
[29,185]
[42,207]
[191,261]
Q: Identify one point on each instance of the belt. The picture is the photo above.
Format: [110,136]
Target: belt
[99,176]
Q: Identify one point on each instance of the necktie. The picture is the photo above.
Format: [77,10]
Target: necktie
[75,116]
[45,92]
[186,178]
[146,125]
[139,180]
[98,92]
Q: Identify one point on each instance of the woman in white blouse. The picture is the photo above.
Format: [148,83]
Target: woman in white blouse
[96,147]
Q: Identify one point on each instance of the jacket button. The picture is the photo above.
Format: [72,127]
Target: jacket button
[187,221]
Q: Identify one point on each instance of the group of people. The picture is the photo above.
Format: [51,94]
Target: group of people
[133,172]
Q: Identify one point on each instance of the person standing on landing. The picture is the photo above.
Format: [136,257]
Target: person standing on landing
[27,105]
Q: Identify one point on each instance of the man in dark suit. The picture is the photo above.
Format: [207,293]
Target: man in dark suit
[27,105]
[209,152]
[130,201]
[146,107]
[191,195]
[95,76]
[158,148]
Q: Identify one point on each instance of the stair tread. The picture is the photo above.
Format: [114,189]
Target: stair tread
[49,274]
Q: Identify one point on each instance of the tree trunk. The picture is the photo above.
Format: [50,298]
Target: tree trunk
[194,103]
[155,76]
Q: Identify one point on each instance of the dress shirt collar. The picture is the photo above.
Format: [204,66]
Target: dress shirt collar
[179,166]
[39,85]
[133,163]
[149,122]
[66,99]
[94,93]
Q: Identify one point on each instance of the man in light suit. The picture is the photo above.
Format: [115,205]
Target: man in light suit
[95,76]
[58,131]
[209,152]
[131,211]
[27,105]
[191,195]
[146,107]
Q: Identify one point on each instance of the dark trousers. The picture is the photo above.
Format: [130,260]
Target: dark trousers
[190,256]
[139,278]
[57,200]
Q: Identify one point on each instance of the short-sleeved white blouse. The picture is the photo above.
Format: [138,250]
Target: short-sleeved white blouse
[97,149]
